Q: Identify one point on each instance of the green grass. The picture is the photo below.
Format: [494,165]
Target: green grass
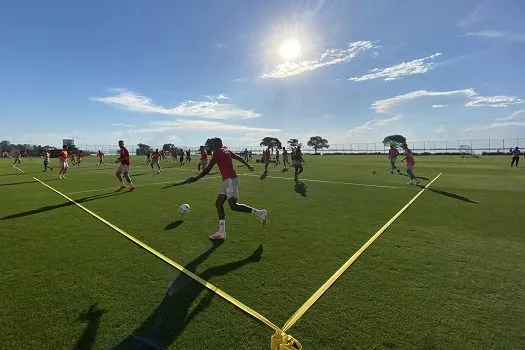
[449,273]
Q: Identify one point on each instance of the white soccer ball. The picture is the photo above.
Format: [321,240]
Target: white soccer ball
[184,208]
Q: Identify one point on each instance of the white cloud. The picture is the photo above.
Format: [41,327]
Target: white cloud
[201,125]
[327,58]
[399,71]
[373,124]
[494,34]
[439,106]
[495,125]
[214,108]
[475,16]
[123,125]
[513,116]
[441,132]
[474,100]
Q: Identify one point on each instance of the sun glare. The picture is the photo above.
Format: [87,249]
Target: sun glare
[290,49]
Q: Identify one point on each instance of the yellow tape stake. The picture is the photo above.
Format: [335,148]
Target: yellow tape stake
[167,260]
[300,312]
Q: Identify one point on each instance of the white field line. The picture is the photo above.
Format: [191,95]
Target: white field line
[23,172]
[139,185]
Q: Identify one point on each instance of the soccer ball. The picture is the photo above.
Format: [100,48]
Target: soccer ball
[373,171]
[184,208]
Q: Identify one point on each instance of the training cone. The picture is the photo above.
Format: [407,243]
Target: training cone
[282,341]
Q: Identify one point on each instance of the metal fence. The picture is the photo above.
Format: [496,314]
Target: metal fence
[479,146]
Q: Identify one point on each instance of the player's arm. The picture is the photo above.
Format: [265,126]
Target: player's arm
[240,159]
[205,172]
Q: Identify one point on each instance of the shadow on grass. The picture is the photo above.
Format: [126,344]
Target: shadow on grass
[300,188]
[18,183]
[175,184]
[173,225]
[450,195]
[92,316]
[176,310]
[58,206]
[419,177]
[284,170]
[263,176]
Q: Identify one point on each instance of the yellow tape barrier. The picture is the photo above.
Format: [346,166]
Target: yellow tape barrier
[282,341]
[300,312]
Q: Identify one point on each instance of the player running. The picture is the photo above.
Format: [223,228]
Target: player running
[155,160]
[100,156]
[392,156]
[285,158]
[63,163]
[298,161]
[123,168]
[229,191]
[515,156]
[203,163]
[409,163]
[46,161]
[18,159]
[277,156]
[266,159]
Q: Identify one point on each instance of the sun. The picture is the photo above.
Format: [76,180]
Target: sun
[290,49]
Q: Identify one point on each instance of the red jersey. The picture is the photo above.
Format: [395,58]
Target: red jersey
[409,157]
[124,156]
[155,155]
[297,155]
[63,156]
[204,155]
[223,158]
[100,155]
[393,153]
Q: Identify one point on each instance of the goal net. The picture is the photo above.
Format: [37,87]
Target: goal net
[466,150]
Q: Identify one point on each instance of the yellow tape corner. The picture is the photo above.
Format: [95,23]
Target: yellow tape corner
[283,341]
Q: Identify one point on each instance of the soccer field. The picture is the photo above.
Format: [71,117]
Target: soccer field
[448,273]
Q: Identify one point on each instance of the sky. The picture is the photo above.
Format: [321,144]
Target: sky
[183,71]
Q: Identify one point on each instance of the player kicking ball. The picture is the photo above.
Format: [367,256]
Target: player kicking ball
[409,163]
[229,190]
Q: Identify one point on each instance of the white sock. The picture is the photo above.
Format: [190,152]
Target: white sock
[258,212]
[222,226]
[122,183]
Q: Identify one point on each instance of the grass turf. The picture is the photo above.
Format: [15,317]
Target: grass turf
[449,273]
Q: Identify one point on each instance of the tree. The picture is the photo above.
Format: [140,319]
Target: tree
[143,146]
[394,140]
[293,142]
[317,142]
[271,142]
[169,147]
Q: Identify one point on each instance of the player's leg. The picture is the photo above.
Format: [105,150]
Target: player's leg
[128,178]
[219,204]
[517,161]
[231,187]
[119,177]
[300,167]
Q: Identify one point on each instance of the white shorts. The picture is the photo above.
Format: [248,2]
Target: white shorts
[409,167]
[393,161]
[122,168]
[64,165]
[204,163]
[230,187]
[155,162]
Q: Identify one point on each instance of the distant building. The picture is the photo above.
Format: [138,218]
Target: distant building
[69,142]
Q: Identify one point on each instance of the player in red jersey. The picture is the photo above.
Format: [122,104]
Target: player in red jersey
[392,156]
[229,191]
[123,168]
[155,160]
[203,160]
[63,162]
[100,156]
[409,163]
[297,161]
[266,159]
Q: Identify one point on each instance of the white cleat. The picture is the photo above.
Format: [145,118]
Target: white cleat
[217,236]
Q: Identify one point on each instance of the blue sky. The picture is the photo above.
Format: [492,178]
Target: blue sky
[183,71]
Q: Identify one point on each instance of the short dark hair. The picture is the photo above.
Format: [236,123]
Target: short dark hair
[214,143]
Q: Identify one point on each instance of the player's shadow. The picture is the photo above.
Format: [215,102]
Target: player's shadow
[451,195]
[176,310]
[58,206]
[300,188]
[18,183]
[419,177]
[284,170]
[174,185]
[173,225]
[263,176]
[92,316]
